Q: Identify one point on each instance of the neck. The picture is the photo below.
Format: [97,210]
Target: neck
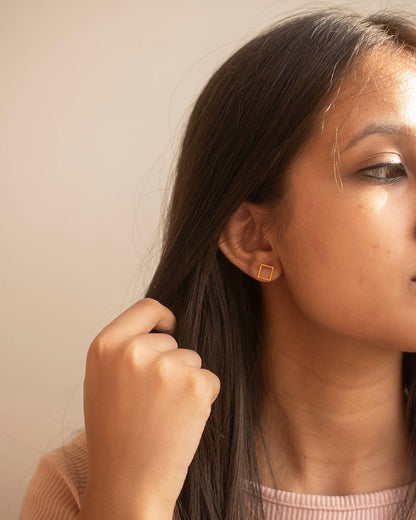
[333,413]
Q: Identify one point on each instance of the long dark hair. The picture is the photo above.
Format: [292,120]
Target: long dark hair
[246,127]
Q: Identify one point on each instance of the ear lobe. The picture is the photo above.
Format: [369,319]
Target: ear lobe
[243,243]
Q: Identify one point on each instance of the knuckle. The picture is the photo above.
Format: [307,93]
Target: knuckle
[167,341]
[195,385]
[151,303]
[157,309]
[217,385]
[135,353]
[153,308]
[211,386]
[98,348]
[163,368]
[171,341]
[130,351]
[197,357]
[216,382]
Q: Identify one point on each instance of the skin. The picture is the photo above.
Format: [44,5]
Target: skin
[146,403]
[341,306]
[340,311]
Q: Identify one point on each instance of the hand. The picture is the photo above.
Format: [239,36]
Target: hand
[146,403]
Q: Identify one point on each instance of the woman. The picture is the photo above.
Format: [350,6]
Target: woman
[270,372]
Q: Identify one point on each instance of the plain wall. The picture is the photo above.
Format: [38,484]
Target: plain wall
[93,99]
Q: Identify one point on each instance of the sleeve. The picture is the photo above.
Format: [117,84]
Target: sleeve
[53,492]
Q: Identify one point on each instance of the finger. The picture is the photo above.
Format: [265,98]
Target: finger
[187,356]
[140,318]
[213,382]
[160,342]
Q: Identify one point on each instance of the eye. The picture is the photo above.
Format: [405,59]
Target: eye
[387,171]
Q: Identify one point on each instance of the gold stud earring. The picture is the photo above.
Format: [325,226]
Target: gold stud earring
[260,275]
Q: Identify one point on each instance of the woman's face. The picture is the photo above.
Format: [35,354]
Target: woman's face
[348,252]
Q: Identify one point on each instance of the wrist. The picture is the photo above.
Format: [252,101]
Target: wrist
[124,506]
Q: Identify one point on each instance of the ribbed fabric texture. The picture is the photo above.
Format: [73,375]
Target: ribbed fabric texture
[57,489]
[285,505]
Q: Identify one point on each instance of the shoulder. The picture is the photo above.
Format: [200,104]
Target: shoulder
[57,487]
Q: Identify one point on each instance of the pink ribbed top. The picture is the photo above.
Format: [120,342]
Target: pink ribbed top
[286,505]
[57,489]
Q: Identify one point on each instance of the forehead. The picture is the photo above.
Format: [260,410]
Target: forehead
[382,89]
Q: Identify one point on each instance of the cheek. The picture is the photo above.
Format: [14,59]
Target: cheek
[341,262]
[319,247]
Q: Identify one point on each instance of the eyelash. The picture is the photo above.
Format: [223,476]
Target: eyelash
[384,166]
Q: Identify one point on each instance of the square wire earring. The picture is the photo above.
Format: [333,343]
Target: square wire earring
[260,275]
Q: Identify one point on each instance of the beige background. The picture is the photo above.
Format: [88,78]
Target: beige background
[93,97]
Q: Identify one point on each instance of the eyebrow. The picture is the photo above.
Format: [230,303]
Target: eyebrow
[400,129]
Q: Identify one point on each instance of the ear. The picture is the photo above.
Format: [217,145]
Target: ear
[244,243]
